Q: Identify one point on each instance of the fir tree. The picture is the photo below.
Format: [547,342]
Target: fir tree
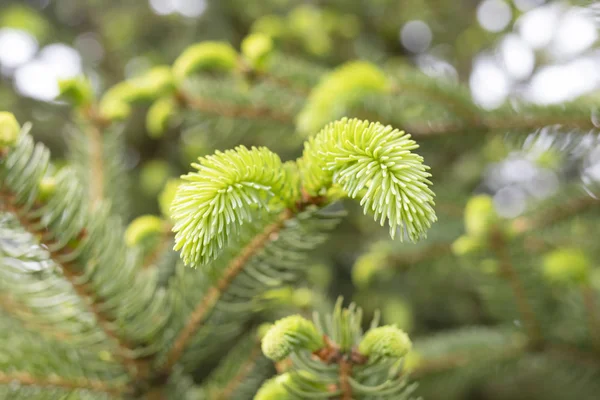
[208,270]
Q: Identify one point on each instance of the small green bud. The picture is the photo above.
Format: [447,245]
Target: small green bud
[289,335]
[480,216]
[302,297]
[166,197]
[154,174]
[466,245]
[398,313]
[46,188]
[142,228]
[274,389]
[114,109]
[257,48]
[272,25]
[489,266]
[218,56]
[9,129]
[262,330]
[369,264]
[154,83]
[159,115]
[78,91]
[412,360]
[567,265]
[385,341]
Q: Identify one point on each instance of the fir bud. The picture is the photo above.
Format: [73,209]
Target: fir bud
[77,91]
[167,195]
[566,266]
[275,388]
[385,341]
[289,335]
[257,48]
[215,56]
[46,188]
[466,245]
[9,129]
[143,228]
[158,116]
[480,216]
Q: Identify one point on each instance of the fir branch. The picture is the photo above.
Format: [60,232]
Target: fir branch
[245,369]
[559,213]
[27,317]
[345,372]
[460,360]
[235,267]
[96,189]
[508,272]
[70,272]
[495,124]
[232,110]
[26,379]
[593,318]
[166,238]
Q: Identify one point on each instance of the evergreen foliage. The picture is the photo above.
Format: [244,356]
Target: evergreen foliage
[188,237]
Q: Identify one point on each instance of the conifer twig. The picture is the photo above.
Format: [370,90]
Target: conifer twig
[508,272]
[593,318]
[72,275]
[227,392]
[235,267]
[159,249]
[232,110]
[26,379]
[21,311]
[96,148]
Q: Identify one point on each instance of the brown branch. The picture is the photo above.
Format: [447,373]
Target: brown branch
[232,110]
[492,124]
[508,272]
[243,372]
[25,379]
[549,217]
[72,274]
[458,360]
[235,267]
[30,321]
[152,258]
[345,373]
[589,301]
[460,109]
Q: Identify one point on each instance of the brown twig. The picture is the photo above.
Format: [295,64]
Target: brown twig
[243,372]
[30,321]
[344,374]
[508,272]
[232,110]
[163,245]
[589,302]
[235,267]
[72,274]
[25,379]
[556,214]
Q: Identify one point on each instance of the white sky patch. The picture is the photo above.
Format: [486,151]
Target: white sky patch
[558,83]
[38,79]
[16,47]
[489,83]
[494,15]
[416,36]
[537,26]
[162,7]
[575,33]
[189,8]
[517,56]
